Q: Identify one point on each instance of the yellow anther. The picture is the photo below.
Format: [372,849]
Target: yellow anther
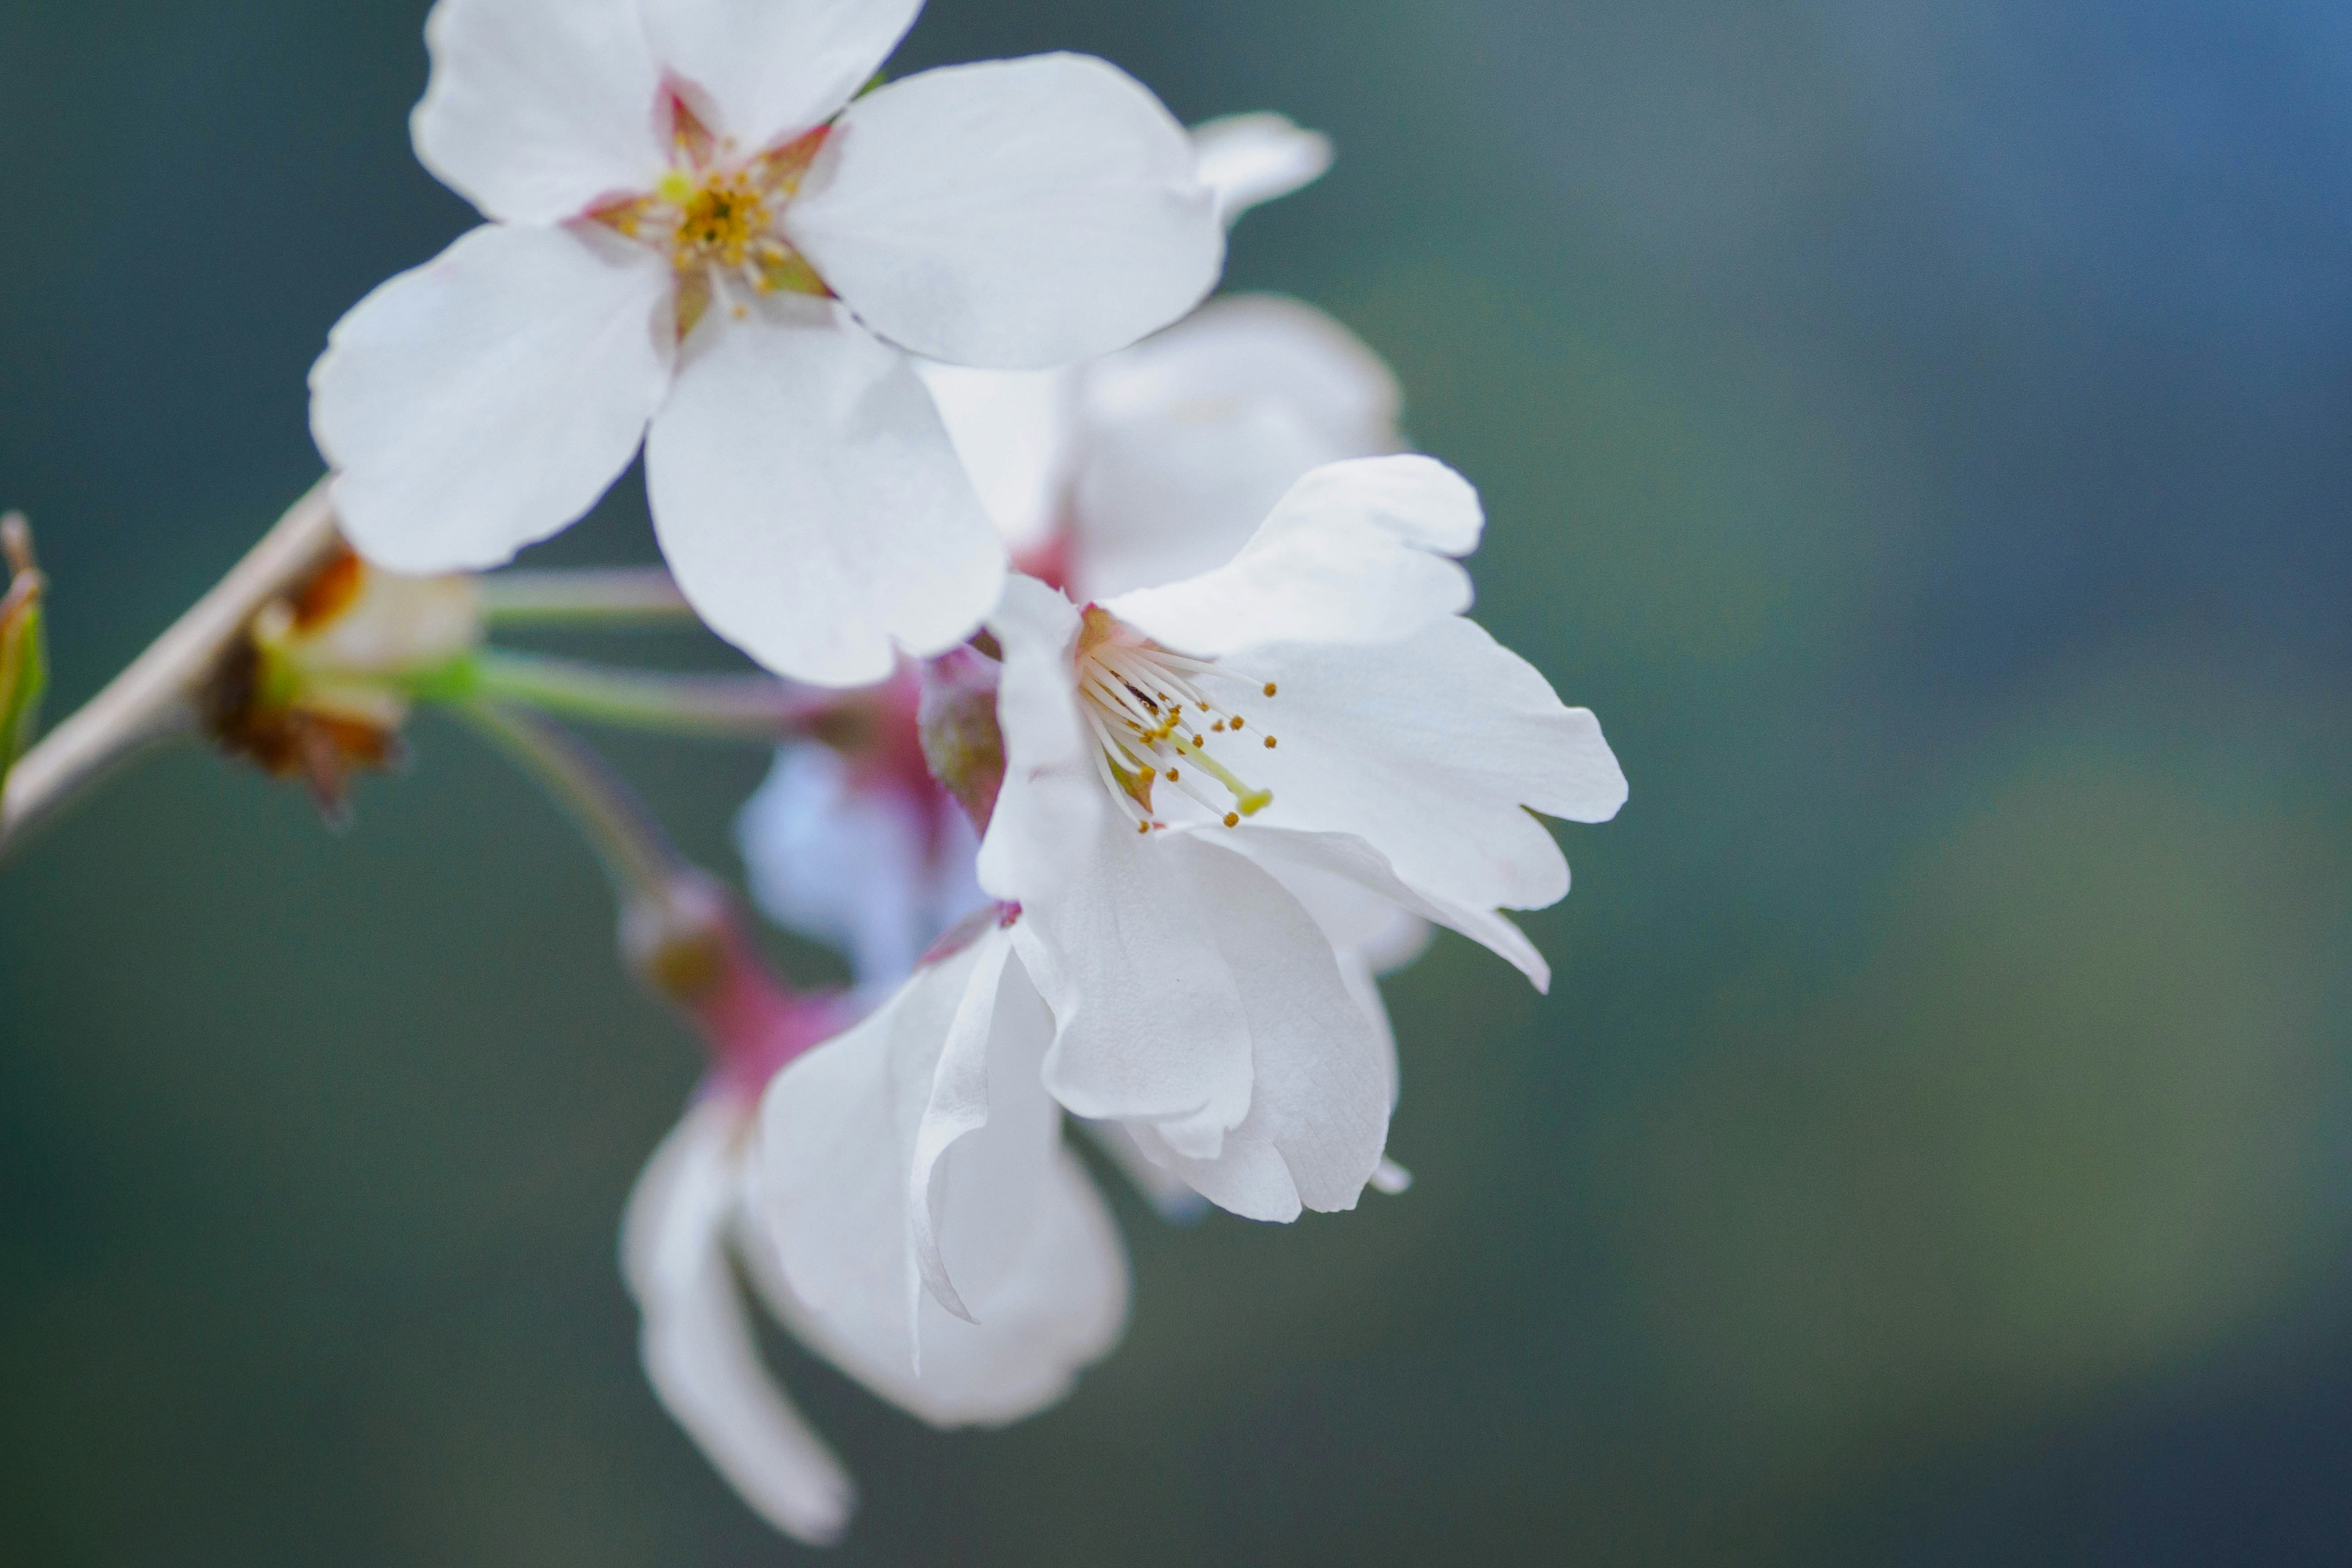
[1269,688]
[1269,743]
[1233,819]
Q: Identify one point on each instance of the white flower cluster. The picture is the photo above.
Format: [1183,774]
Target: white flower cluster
[1181,734]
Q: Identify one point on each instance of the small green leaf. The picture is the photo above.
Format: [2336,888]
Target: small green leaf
[24,656]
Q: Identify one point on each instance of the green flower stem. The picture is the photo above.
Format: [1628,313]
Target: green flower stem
[636,854]
[702,707]
[621,598]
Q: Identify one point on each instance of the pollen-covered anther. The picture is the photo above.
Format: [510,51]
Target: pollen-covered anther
[718,218]
[1135,696]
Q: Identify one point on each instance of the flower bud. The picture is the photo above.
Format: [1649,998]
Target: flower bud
[962,742]
[23,656]
[685,941]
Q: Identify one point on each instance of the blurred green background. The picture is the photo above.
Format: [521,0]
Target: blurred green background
[1922,431]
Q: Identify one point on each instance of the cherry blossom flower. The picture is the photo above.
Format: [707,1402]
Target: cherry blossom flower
[1140,467]
[696,1224]
[698,239]
[924,1214]
[1194,771]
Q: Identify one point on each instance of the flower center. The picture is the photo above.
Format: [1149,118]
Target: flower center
[1153,724]
[716,218]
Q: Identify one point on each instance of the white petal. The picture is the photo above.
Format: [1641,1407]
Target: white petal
[539,111]
[1035,1256]
[861,866]
[1248,348]
[1360,919]
[763,72]
[1249,159]
[484,401]
[1016,214]
[1356,552]
[1321,1077]
[1427,748]
[1129,955]
[984,1139]
[1061,1311]
[1297,859]
[1166,1191]
[1193,437]
[808,500]
[1357,974]
[697,1343]
[1013,430]
[1048,810]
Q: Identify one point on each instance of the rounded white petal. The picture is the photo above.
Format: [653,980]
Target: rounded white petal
[1302,861]
[540,110]
[1356,552]
[1013,430]
[1252,348]
[763,72]
[1193,437]
[1250,158]
[484,401]
[1016,214]
[1357,919]
[1061,1309]
[808,501]
[855,867]
[1321,1073]
[1131,953]
[697,1343]
[1428,749]
[1038,1264]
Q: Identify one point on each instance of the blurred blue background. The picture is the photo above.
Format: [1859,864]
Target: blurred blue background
[1922,432]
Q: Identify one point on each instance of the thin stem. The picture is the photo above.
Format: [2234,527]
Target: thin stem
[154,699]
[705,707]
[636,854]
[618,598]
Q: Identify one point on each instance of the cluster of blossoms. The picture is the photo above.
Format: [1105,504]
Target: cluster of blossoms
[1139,725]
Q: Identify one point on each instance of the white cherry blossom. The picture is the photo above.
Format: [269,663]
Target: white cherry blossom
[700,239]
[1165,458]
[1193,768]
[926,1221]
[699,1221]
[680,1244]
[1136,467]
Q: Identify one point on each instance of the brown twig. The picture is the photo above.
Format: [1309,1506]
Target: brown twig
[155,697]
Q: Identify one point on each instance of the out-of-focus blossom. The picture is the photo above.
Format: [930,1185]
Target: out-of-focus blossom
[315,690]
[1192,770]
[1248,160]
[852,844]
[699,241]
[680,1244]
[1158,462]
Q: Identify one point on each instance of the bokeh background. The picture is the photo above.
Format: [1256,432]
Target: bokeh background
[1922,430]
